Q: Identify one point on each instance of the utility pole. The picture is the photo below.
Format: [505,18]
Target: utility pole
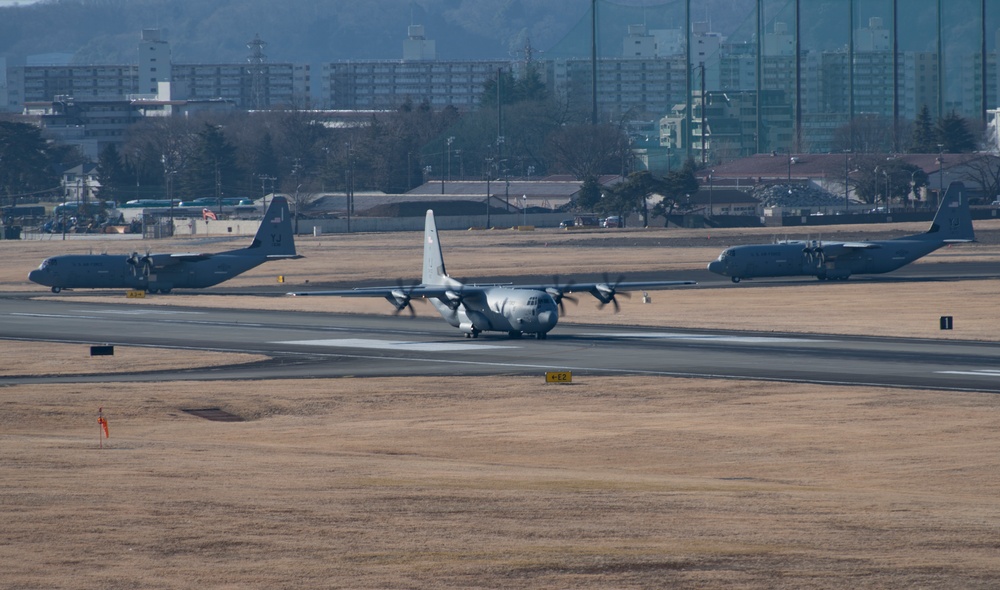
[489,174]
[263,187]
[350,186]
[218,188]
[593,61]
[296,168]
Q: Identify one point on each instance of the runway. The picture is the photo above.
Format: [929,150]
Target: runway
[313,345]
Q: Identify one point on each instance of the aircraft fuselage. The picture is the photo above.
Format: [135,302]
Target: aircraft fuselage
[824,260]
[499,309]
[106,271]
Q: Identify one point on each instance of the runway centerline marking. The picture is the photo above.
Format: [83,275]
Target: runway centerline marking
[144,311]
[702,337]
[404,345]
[979,373]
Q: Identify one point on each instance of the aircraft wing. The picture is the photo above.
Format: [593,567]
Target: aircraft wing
[834,250]
[625,286]
[419,291]
[166,260]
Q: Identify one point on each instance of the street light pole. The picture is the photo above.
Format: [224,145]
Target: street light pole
[847,181]
[451,140]
[711,190]
[940,162]
[489,174]
[888,207]
[877,171]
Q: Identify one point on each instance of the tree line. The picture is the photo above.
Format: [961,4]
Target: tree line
[519,130]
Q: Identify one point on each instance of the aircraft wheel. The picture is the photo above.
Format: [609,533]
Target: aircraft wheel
[164,291]
[56,289]
[514,334]
[736,279]
[541,335]
[151,291]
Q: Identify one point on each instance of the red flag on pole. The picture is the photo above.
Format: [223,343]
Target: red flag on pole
[102,425]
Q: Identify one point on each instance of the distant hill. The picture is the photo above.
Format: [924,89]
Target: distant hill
[316,31]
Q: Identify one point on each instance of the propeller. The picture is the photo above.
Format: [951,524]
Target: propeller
[606,292]
[814,253]
[400,298]
[140,264]
[455,296]
[558,294]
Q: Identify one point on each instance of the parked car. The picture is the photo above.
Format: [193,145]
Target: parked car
[566,223]
[612,221]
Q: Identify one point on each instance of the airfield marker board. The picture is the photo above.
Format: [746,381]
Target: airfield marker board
[559,377]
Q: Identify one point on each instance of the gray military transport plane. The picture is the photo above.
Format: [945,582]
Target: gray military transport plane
[163,272]
[515,309]
[839,260]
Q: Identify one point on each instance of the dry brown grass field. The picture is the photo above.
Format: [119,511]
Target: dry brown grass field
[505,482]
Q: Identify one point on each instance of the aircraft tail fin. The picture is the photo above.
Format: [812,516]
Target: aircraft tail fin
[434,271]
[275,237]
[953,221]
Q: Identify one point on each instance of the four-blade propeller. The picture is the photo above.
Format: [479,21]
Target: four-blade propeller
[607,292]
[558,293]
[400,298]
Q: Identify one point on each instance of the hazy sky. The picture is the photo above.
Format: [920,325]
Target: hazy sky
[13,2]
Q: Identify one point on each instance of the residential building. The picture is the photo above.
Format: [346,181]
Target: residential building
[261,85]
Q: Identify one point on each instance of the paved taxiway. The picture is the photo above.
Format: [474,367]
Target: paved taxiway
[330,345]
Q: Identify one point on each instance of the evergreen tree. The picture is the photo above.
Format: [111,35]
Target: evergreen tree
[25,162]
[923,140]
[589,195]
[265,163]
[212,170]
[507,90]
[630,196]
[675,187]
[954,135]
[112,175]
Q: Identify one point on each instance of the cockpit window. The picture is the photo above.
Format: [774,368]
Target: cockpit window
[730,252]
[49,262]
[532,301]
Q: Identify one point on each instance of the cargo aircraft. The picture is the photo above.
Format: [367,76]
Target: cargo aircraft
[839,260]
[162,272]
[473,309]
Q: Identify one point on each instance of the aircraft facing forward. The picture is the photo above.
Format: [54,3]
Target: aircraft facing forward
[162,272]
[473,309]
[839,260]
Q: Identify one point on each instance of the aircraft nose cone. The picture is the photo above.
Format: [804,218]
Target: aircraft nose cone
[716,267]
[35,276]
[548,318]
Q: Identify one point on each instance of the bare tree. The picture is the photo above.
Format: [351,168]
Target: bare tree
[984,171]
[867,134]
[588,150]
